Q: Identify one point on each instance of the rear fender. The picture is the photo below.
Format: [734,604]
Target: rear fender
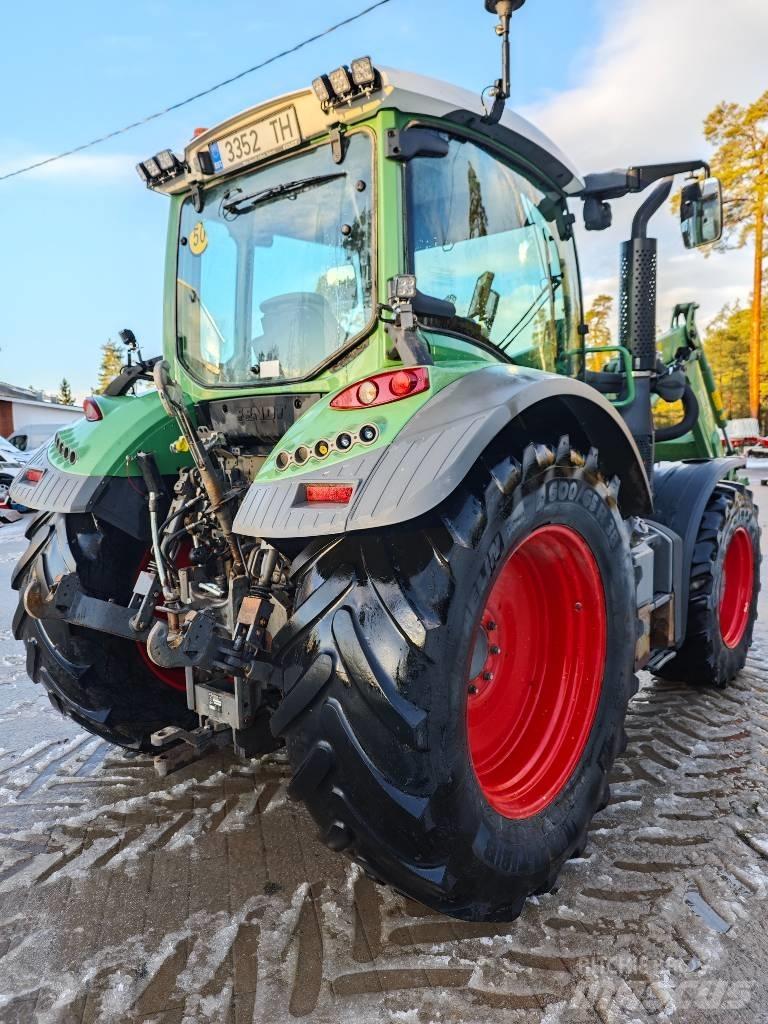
[437,448]
[87,467]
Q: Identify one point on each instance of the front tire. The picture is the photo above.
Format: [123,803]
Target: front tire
[724,586]
[387,663]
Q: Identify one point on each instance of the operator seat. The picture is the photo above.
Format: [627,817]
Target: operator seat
[300,329]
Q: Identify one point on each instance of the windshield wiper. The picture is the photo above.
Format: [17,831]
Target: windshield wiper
[244,204]
[546,292]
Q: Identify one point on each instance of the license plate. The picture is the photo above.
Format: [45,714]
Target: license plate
[260,139]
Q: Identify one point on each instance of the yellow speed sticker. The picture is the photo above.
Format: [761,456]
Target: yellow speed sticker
[198,239]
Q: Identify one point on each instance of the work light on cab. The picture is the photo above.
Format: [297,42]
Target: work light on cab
[322,89]
[383,388]
[363,72]
[344,84]
[341,82]
[160,168]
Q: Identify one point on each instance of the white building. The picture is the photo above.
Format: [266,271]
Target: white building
[23,409]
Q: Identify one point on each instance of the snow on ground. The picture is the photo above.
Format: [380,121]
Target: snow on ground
[207,896]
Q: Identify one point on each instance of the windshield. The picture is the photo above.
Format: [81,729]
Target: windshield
[486,238]
[275,274]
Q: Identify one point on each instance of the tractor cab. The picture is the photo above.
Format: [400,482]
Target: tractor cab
[289,221]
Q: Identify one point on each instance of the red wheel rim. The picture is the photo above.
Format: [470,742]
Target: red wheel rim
[737,588]
[537,671]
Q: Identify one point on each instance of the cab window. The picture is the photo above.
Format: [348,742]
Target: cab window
[487,238]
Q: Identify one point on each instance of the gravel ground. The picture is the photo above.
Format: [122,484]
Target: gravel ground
[207,897]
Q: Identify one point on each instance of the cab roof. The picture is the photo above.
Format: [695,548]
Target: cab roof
[409,93]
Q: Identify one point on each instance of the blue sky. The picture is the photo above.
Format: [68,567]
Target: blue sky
[83,240]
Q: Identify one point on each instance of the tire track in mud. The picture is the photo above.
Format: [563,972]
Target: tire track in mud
[209,892]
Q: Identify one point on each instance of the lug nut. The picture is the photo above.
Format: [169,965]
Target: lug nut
[487,676]
[491,626]
[495,649]
[471,689]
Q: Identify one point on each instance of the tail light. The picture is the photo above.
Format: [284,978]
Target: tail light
[32,476]
[338,494]
[382,388]
[92,410]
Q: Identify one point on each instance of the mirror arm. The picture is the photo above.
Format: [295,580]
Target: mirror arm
[615,184]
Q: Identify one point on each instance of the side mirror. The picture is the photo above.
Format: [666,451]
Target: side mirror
[701,213]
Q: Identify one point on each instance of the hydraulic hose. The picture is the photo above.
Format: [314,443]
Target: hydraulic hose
[173,403]
[690,416]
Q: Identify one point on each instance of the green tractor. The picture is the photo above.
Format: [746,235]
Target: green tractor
[384,505]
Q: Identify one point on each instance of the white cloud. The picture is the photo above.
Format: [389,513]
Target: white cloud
[658,69]
[86,168]
[655,72]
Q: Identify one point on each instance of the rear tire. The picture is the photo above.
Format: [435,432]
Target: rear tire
[378,660]
[722,605]
[98,680]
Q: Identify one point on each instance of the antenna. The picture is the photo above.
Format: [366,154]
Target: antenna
[500,89]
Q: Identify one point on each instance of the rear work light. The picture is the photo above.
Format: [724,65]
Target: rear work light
[92,410]
[32,476]
[383,388]
[337,494]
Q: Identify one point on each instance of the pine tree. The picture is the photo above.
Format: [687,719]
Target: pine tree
[598,319]
[65,393]
[727,344]
[111,365]
[741,163]
[478,218]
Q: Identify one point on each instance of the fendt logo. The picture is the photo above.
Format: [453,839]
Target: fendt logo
[260,412]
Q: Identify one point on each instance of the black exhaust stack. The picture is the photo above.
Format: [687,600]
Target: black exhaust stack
[637,318]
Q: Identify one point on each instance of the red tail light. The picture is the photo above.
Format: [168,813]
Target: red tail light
[383,388]
[32,476]
[92,410]
[338,494]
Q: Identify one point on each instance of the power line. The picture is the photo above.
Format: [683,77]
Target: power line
[197,95]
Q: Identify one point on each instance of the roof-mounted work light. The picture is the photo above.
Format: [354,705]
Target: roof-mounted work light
[168,161]
[341,83]
[345,84]
[159,168]
[363,72]
[322,89]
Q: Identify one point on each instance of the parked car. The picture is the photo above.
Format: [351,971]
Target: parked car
[757,458]
[29,437]
[743,433]
[11,461]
